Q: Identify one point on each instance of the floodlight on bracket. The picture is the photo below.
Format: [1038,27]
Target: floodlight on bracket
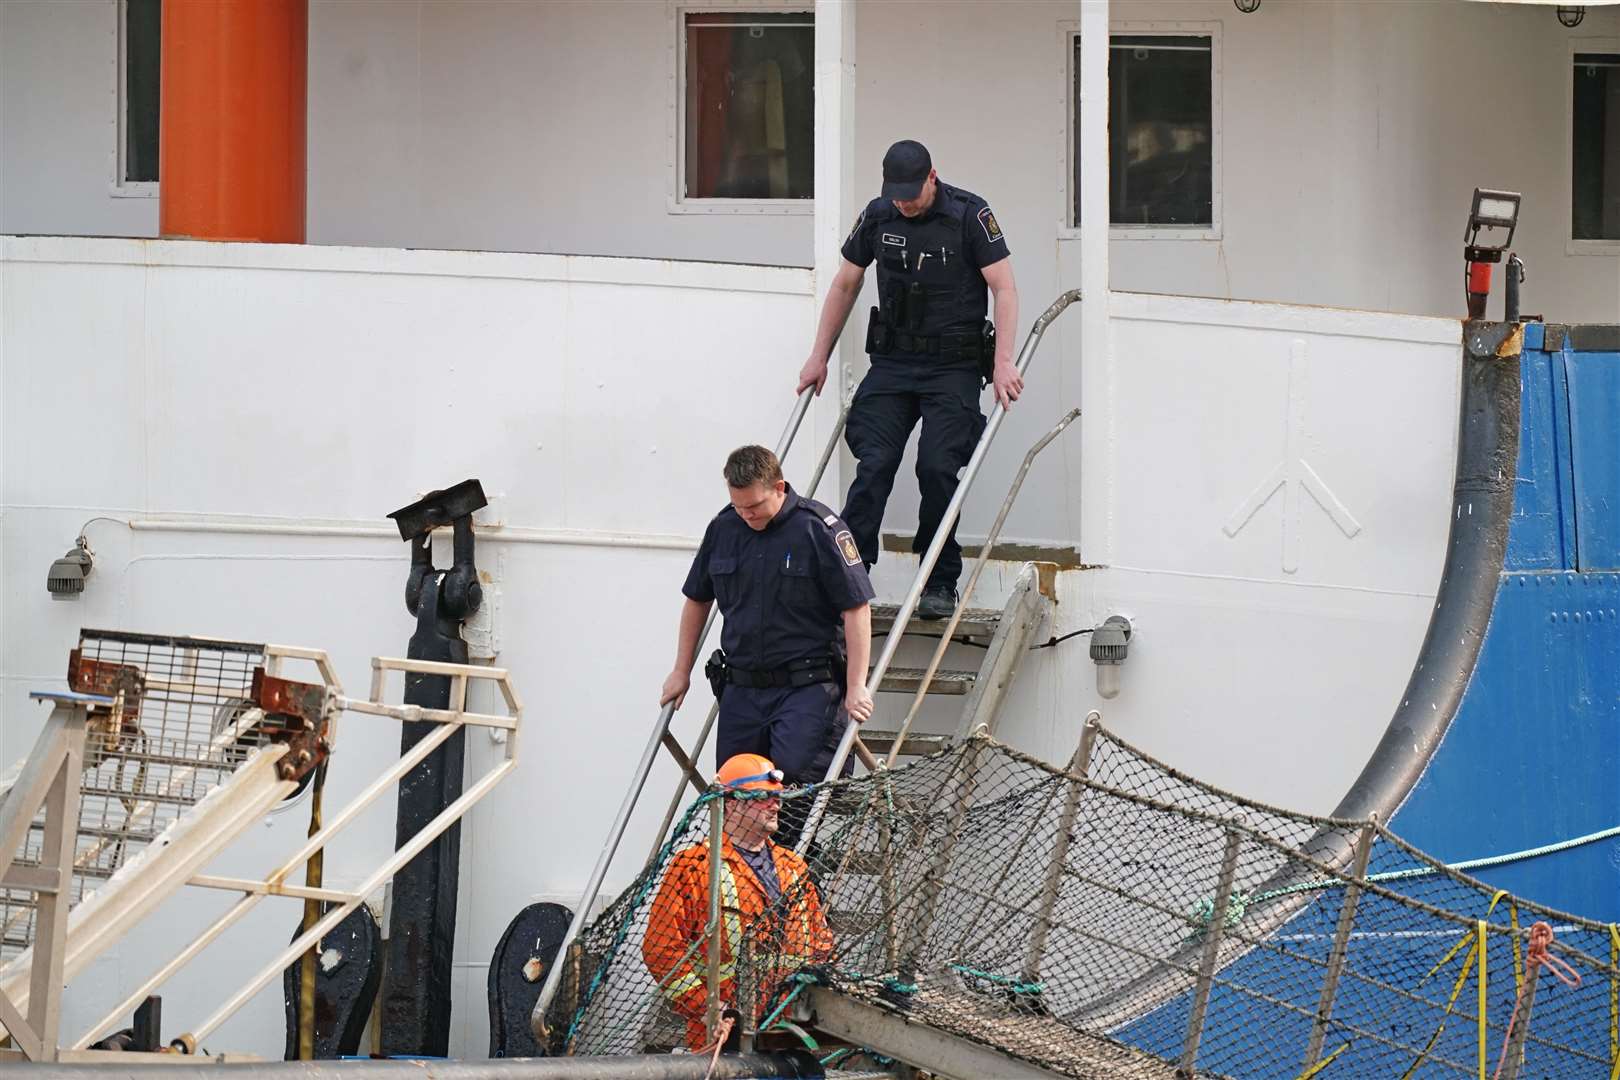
[65,579]
[1489,210]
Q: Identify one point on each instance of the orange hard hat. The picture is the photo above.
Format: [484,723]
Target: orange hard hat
[749,772]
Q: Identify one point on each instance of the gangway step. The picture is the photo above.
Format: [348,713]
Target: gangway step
[853,922]
[906,681]
[879,742]
[977,625]
[961,1036]
[862,862]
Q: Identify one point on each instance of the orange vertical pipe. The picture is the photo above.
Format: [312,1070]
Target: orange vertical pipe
[231,134]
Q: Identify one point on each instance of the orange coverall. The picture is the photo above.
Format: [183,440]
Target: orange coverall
[791,936]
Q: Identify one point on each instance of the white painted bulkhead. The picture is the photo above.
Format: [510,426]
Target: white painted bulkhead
[1267,486]
[255,411]
[1349,136]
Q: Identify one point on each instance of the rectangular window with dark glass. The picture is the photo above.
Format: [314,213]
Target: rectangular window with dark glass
[1595,148]
[750,106]
[1161,141]
[141,60]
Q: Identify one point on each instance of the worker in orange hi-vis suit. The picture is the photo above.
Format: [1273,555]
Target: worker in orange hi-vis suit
[765,892]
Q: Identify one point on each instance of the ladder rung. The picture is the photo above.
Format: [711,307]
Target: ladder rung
[906,680]
[976,624]
[853,922]
[865,863]
[879,742]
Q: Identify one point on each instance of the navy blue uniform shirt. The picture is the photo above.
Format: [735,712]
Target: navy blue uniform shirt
[986,243]
[943,250]
[782,590]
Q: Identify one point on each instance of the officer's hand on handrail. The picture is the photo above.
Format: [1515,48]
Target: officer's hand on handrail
[675,688]
[859,704]
[814,373]
[1008,383]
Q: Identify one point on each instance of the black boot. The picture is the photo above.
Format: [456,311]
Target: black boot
[938,602]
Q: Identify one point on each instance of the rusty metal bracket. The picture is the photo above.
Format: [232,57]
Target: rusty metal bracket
[296,714]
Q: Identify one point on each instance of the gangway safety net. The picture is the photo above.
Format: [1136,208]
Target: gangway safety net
[1114,907]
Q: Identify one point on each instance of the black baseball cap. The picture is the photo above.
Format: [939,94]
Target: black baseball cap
[905,169]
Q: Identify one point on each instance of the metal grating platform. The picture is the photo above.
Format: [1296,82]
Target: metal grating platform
[171,737]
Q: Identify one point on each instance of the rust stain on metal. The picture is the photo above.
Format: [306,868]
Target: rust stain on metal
[100,677]
[1512,345]
[294,714]
[283,697]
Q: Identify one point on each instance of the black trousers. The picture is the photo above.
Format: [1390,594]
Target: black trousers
[895,394]
[797,728]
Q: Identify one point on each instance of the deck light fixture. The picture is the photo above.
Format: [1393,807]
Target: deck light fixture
[66,578]
[1490,210]
[1571,15]
[65,581]
[1109,644]
[1248,7]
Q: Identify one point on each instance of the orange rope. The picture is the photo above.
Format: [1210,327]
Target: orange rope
[1541,936]
[720,1036]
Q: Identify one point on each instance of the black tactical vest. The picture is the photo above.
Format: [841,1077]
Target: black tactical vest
[926,285]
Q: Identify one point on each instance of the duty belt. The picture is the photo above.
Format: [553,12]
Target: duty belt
[808,672]
[960,342]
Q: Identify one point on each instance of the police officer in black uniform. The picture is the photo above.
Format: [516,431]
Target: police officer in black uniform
[937,247]
[798,623]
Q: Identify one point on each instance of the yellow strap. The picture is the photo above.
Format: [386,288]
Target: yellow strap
[1451,1002]
[1480,929]
[1324,1063]
[1614,1001]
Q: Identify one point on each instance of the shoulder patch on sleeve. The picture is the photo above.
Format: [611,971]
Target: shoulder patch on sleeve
[846,546]
[830,520]
[860,219]
[992,231]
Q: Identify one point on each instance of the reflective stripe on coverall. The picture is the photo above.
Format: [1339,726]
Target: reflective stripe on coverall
[679,917]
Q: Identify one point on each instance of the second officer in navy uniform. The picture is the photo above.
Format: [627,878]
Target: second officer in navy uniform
[798,623]
[937,248]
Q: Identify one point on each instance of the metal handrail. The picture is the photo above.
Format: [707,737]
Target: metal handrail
[973,581]
[660,732]
[908,606]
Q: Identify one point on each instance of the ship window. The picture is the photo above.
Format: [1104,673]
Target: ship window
[1595,148]
[139,53]
[749,117]
[1161,131]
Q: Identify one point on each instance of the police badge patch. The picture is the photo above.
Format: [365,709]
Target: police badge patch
[992,231]
[855,228]
[846,544]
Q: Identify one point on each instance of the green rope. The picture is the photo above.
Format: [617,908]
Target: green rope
[1204,910]
[1500,860]
[800,982]
[1017,986]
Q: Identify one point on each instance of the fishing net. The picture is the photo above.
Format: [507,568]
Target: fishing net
[1115,919]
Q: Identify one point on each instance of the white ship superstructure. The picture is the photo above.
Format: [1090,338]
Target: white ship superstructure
[527,260]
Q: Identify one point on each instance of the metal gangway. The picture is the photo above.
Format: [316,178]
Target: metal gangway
[1008,633]
[161,753]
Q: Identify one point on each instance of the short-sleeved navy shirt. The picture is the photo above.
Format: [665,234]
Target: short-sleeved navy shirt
[783,589]
[986,243]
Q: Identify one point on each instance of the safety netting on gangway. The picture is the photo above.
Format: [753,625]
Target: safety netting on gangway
[1117,918]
